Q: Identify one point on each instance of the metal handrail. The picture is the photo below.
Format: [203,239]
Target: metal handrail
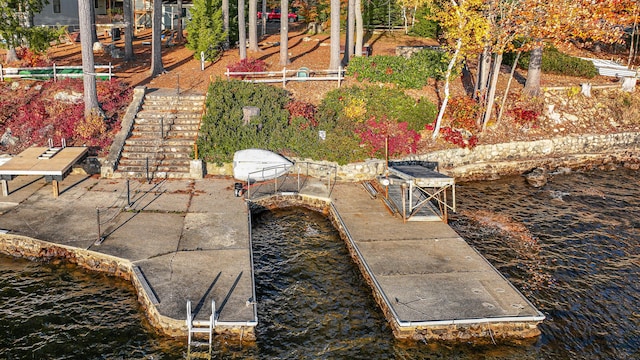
[300,174]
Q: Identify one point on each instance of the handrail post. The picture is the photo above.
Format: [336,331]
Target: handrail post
[1,73]
[55,77]
[109,70]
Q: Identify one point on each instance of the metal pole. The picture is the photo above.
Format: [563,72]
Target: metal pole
[147,167]
[404,207]
[162,128]
[99,231]
[128,194]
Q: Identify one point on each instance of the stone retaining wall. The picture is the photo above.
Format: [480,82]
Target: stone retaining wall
[491,161]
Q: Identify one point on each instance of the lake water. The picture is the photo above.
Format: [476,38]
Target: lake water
[572,247]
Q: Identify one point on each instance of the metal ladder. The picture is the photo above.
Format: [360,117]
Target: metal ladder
[200,327]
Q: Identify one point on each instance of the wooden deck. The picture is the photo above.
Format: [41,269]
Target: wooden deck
[52,163]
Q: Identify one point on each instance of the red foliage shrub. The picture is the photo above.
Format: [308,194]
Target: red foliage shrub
[462,112]
[305,110]
[247,65]
[525,117]
[456,137]
[401,139]
[36,115]
[30,59]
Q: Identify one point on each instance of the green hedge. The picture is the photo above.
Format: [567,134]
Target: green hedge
[223,132]
[412,73]
[555,62]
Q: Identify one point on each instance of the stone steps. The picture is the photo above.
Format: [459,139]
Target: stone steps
[162,139]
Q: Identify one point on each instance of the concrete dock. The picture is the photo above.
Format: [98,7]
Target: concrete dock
[429,282]
[185,240]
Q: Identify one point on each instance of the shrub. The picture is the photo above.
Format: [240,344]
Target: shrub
[463,139]
[205,30]
[30,58]
[247,65]
[525,117]
[555,62]
[302,113]
[412,73]
[223,131]
[346,104]
[36,116]
[379,134]
[424,27]
[462,112]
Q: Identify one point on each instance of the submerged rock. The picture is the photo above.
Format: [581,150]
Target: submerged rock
[537,177]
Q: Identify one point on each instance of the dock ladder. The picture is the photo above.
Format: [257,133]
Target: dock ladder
[200,327]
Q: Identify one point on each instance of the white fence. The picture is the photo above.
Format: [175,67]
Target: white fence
[283,76]
[54,72]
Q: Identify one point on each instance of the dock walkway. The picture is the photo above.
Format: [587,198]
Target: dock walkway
[427,279]
[181,239]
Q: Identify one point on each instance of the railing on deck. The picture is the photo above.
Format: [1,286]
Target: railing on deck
[302,178]
[53,72]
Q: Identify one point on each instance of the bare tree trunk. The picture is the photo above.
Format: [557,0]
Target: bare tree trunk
[406,21]
[350,31]
[264,17]
[179,34]
[11,56]
[484,64]
[532,85]
[359,28]
[492,90]
[334,55]
[156,39]
[92,16]
[88,68]
[443,107]
[506,91]
[284,32]
[242,31]
[253,25]
[225,21]
[128,30]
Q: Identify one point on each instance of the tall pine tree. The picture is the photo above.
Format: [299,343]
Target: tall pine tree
[205,30]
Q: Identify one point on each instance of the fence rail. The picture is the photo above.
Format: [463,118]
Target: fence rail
[284,76]
[53,72]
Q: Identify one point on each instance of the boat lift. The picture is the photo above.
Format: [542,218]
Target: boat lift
[419,192]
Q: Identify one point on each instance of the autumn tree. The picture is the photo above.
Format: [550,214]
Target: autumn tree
[562,21]
[464,28]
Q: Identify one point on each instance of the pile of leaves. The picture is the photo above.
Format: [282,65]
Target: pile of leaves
[34,112]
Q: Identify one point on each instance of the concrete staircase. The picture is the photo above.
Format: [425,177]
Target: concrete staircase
[161,141]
